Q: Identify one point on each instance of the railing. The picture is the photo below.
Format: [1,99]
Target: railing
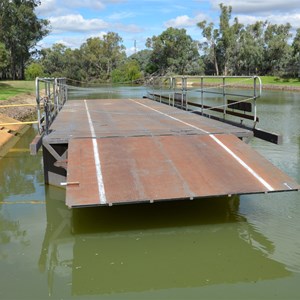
[51,95]
[220,97]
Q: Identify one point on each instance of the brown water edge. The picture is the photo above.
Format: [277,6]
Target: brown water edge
[11,134]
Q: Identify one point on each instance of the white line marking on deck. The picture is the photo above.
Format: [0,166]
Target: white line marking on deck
[212,136]
[240,161]
[101,189]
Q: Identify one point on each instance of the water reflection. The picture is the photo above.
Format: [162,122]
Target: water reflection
[152,247]
[109,251]
[20,174]
[107,92]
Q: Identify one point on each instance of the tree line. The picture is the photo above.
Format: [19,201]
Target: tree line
[226,48]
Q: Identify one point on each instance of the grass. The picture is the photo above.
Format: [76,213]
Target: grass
[280,81]
[266,80]
[9,89]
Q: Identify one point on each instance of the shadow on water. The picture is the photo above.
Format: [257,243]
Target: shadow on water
[154,216]
[151,247]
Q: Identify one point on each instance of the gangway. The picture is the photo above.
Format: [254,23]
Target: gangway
[121,151]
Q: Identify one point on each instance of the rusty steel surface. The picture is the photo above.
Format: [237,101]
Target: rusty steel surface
[131,117]
[158,168]
[139,150]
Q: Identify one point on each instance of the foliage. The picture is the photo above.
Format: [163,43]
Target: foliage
[101,56]
[227,48]
[276,48]
[129,72]
[235,49]
[174,51]
[95,60]
[4,58]
[143,59]
[20,31]
[34,70]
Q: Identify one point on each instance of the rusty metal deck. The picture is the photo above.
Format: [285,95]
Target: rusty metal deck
[143,169]
[137,150]
[131,117]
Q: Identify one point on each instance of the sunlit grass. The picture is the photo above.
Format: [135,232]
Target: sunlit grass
[280,81]
[266,80]
[9,89]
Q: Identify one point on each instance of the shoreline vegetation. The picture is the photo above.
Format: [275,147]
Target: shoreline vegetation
[23,92]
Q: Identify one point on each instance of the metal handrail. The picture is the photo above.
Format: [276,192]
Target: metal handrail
[51,95]
[177,92]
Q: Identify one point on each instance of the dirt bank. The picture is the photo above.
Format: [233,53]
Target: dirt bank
[21,113]
[10,134]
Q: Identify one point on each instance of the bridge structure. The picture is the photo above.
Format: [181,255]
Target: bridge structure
[122,151]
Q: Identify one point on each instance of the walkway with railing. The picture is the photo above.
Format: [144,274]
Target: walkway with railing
[211,96]
[121,151]
[51,95]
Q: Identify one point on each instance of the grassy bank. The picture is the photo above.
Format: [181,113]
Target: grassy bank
[280,81]
[9,89]
[272,80]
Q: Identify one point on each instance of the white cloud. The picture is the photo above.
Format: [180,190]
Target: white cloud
[48,7]
[94,4]
[258,6]
[126,28]
[76,23]
[185,21]
[55,7]
[121,15]
[131,50]
[293,19]
[274,11]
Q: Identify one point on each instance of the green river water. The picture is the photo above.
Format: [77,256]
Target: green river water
[244,247]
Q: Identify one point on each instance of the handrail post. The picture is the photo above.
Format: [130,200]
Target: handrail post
[254,100]
[160,87]
[174,88]
[224,98]
[170,89]
[202,96]
[37,95]
[182,91]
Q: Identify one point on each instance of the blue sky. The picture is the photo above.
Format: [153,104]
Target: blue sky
[73,21]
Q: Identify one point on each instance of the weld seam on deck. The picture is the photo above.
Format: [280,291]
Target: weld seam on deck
[214,138]
[100,182]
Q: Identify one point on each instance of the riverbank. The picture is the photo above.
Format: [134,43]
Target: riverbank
[10,113]
[275,87]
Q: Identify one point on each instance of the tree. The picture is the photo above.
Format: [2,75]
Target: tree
[143,59]
[210,45]
[54,60]
[129,72]
[295,60]
[4,61]
[174,51]
[221,44]
[20,32]
[34,70]
[249,59]
[101,56]
[277,51]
